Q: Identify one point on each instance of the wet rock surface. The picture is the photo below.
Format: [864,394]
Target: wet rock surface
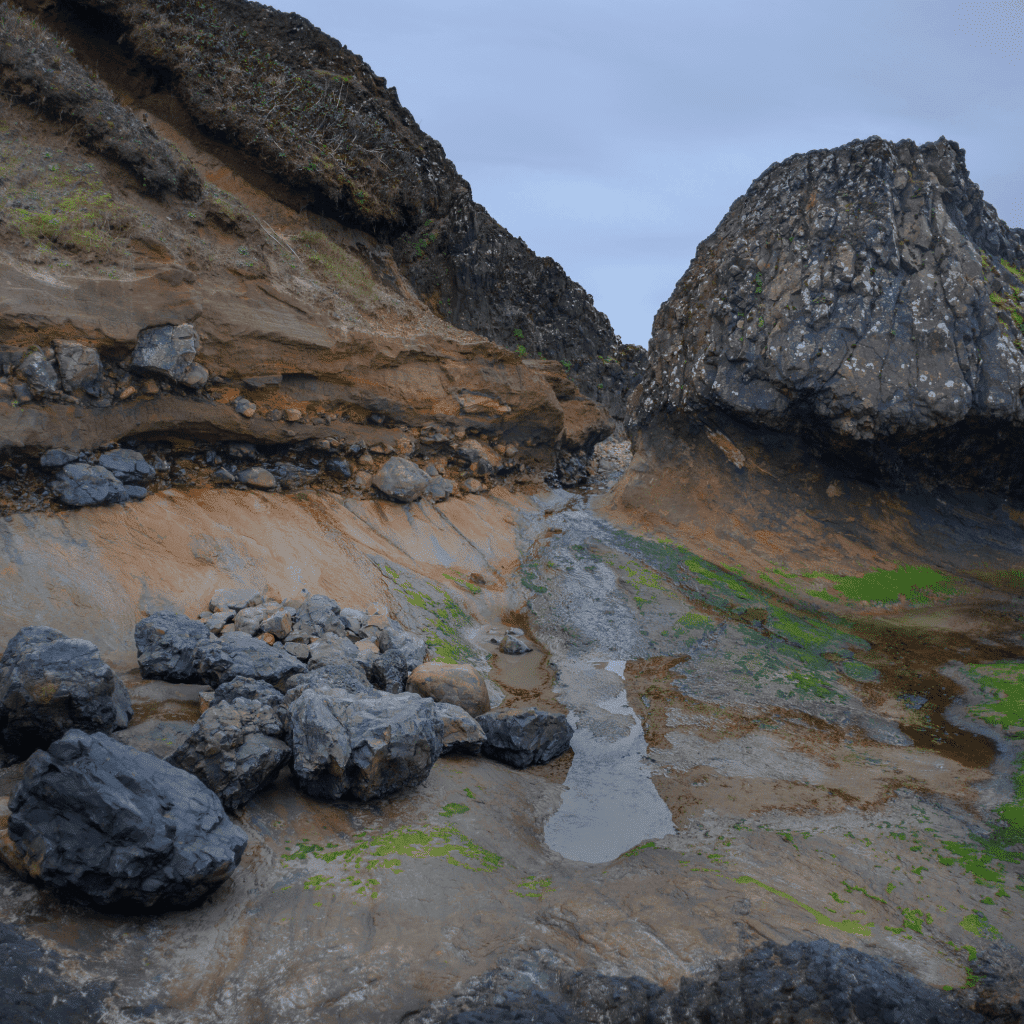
[97,821]
[50,683]
[866,296]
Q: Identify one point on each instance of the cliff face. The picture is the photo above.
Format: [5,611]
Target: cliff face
[311,122]
[867,298]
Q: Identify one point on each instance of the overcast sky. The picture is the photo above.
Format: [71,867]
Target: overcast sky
[614,136]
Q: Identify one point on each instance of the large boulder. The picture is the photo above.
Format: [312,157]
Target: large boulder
[166,644]
[170,352]
[412,648]
[401,480]
[79,485]
[462,733]
[522,738]
[318,615]
[388,671]
[864,297]
[363,747]
[332,650]
[235,749]
[462,685]
[50,683]
[250,689]
[237,654]
[96,820]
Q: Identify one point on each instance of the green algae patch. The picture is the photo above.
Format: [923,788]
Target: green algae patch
[384,853]
[531,887]
[915,583]
[1005,681]
[977,924]
[449,809]
[850,927]
[448,619]
[649,845]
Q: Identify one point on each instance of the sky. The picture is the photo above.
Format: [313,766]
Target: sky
[613,137]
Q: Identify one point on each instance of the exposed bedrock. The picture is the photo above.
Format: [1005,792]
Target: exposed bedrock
[866,297]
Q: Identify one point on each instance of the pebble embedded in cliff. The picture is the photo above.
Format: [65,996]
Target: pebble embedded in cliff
[98,821]
[526,737]
[78,364]
[462,685]
[170,352]
[40,374]
[50,683]
[79,485]
[261,479]
[401,480]
[245,408]
[128,466]
[868,293]
[363,747]
[166,644]
[235,749]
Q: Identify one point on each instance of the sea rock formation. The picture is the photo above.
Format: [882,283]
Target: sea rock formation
[98,821]
[866,297]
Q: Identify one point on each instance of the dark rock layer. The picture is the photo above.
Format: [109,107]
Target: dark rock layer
[867,296]
[801,982]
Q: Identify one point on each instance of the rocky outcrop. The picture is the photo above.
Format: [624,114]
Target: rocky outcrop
[526,737]
[50,683]
[865,297]
[95,820]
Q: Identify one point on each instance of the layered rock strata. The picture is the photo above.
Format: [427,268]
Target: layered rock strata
[865,297]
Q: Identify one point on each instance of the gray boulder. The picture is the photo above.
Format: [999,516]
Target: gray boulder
[78,364]
[166,644]
[513,642]
[439,488]
[462,733]
[129,467]
[332,650]
[401,480]
[54,458]
[412,648]
[318,615]
[261,479]
[247,620]
[39,374]
[234,598]
[96,820]
[525,737]
[79,485]
[235,749]
[170,352]
[341,676]
[50,683]
[388,671]
[249,689]
[237,654]
[363,747]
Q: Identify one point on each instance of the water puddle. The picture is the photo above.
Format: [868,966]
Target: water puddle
[609,803]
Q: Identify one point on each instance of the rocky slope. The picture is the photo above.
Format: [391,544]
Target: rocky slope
[309,121]
[866,298]
[300,341]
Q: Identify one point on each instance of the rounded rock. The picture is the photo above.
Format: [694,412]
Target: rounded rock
[401,480]
[462,685]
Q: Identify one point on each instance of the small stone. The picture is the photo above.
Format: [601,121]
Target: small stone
[223,475]
[126,393]
[135,493]
[297,650]
[56,457]
[268,638]
[278,624]
[215,623]
[462,734]
[340,468]
[362,481]
[245,408]
[292,415]
[40,374]
[261,479]
[472,486]
[150,387]
[401,480]
[512,644]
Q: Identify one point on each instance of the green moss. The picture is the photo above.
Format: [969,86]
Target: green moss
[850,927]
[444,635]
[977,924]
[649,845]
[531,887]
[449,809]
[337,264]
[919,583]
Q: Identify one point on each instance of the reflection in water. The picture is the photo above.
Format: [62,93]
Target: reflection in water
[609,803]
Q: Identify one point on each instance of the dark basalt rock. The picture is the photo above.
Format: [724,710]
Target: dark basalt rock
[50,683]
[412,648]
[388,672]
[525,737]
[249,689]
[238,654]
[866,296]
[363,747]
[235,749]
[79,485]
[166,643]
[128,466]
[794,984]
[98,821]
